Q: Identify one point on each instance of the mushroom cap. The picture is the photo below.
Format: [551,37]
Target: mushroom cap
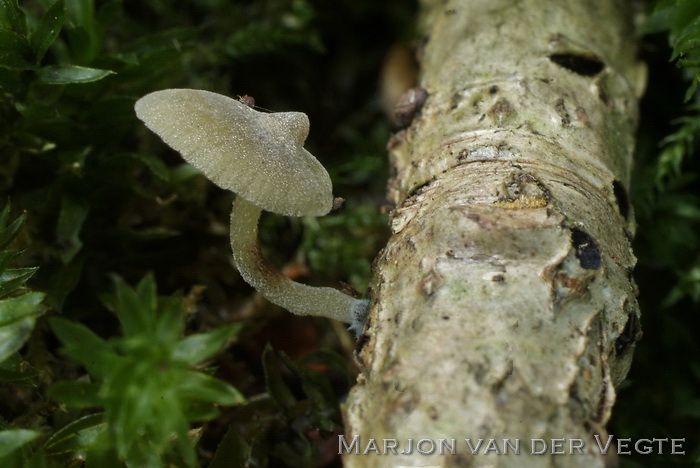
[257,155]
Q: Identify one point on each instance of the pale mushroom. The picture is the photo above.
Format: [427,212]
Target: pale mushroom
[260,157]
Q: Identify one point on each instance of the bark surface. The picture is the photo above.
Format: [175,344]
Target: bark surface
[503,304]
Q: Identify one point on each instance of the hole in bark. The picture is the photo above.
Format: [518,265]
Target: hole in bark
[630,334]
[585,65]
[417,189]
[361,342]
[623,201]
[603,95]
[587,250]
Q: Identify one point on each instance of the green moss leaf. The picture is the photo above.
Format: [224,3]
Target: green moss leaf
[70,222]
[137,308]
[8,233]
[84,346]
[147,294]
[197,348]
[278,389]
[688,285]
[76,437]
[156,165]
[84,38]
[18,314]
[170,324]
[67,74]
[202,387]
[14,278]
[14,51]
[17,318]
[318,389]
[47,30]
[12,17]
[62,281]
[7,257]
[13,439]
[232,451]
[77,394]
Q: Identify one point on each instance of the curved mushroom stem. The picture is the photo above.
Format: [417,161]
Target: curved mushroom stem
[295,297]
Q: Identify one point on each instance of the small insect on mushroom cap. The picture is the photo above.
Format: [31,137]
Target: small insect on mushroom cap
[259,156]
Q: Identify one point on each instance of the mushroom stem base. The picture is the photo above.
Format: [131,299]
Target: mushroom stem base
[297,298]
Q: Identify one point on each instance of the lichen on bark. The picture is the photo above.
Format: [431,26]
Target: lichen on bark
[503,304]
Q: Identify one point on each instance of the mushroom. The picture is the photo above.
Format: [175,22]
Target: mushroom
[260,157]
